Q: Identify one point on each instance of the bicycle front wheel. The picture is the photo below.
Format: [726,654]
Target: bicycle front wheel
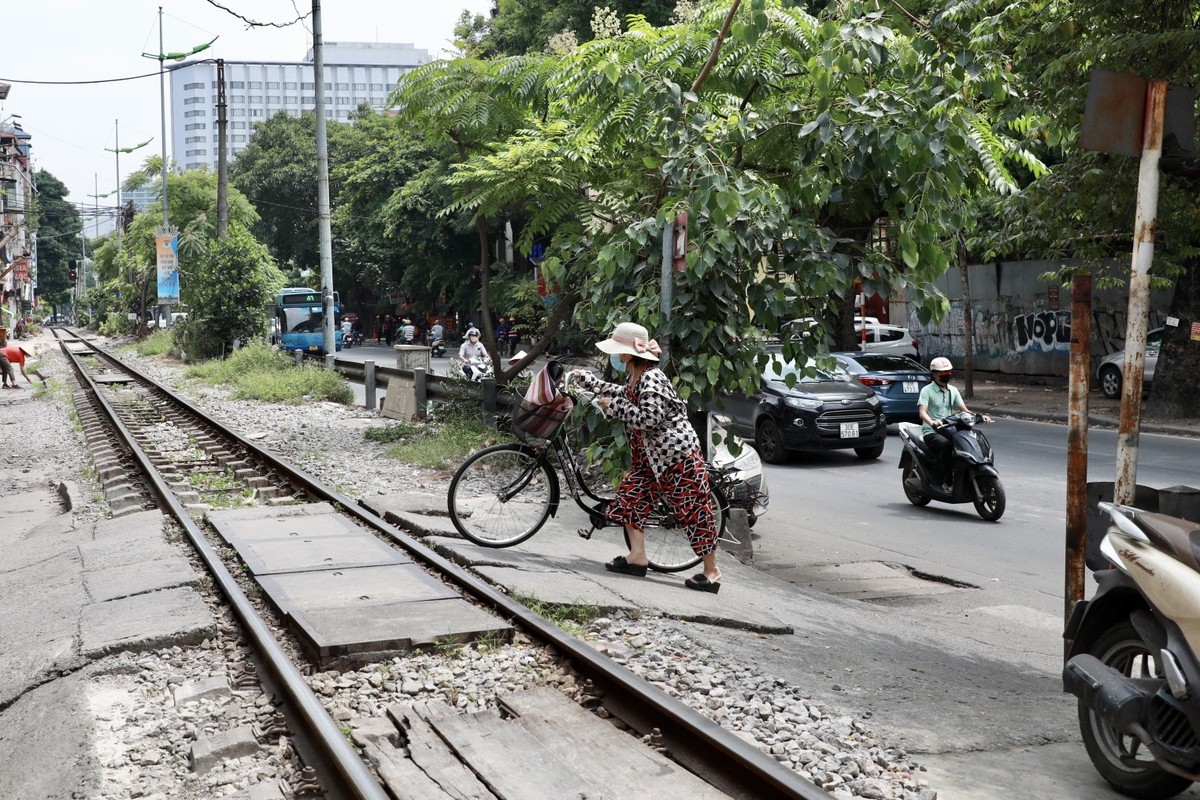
[667,545]
[501,495]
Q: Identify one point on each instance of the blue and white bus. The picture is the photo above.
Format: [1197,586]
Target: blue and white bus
[300,313]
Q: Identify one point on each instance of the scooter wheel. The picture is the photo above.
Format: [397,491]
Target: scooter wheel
[1116,756]
[911,481]
[991,506]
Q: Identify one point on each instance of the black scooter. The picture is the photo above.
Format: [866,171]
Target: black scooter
[974,478]
[437,347]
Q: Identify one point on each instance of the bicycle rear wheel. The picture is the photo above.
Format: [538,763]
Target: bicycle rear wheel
[667,545]
[501,495]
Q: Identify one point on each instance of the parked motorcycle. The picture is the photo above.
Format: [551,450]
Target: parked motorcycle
[1131,656]
[973,473]
[477,368]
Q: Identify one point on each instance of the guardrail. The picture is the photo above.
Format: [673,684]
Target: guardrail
[426,385]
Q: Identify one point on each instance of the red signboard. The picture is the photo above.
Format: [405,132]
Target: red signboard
[21,269]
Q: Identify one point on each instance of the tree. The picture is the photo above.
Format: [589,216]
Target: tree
[387,233]
[227,290]
[59,229]
[521,26]
[786,145]
[277,172]
[1084,208]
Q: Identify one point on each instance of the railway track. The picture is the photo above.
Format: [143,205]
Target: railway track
[319,583]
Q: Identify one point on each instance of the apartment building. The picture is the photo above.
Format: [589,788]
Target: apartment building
[18,251]
[355,73]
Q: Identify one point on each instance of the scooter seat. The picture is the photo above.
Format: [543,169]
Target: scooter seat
[913,433]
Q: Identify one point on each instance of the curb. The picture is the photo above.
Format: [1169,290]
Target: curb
[1093,420]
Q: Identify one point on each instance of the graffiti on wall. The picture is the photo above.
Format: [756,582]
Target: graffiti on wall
[1042,331]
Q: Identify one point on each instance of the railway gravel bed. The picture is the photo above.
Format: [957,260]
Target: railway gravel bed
[143,753]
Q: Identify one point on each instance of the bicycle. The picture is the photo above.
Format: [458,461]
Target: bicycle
[504,494]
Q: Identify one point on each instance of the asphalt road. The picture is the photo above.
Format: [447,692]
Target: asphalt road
[957,657]
[831,506]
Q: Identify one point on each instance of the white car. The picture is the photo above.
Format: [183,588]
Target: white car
[889,339]
[1112,367]
[748,489]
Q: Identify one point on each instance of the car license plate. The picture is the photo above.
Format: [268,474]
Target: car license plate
[910,387]
[849,430]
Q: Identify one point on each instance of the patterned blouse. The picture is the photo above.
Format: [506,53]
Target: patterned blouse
[658,413]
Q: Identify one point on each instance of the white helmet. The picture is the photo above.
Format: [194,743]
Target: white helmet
[941,364]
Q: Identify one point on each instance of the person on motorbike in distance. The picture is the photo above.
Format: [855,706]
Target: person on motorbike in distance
[471,350]
[436,331]
[937,401]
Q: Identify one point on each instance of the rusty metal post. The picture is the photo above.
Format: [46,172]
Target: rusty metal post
[1145,222]
[968,320]
[1077,440]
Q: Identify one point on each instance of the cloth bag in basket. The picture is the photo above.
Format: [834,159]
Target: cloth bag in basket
[544,407]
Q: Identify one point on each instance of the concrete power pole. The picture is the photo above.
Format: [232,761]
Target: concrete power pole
[222,155]
[324,231]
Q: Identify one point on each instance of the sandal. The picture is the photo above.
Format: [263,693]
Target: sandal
[701,583]
[619,564]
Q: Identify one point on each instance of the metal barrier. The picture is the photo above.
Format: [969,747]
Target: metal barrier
[427,386]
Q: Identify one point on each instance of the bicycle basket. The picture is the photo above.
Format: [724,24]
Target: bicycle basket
[540,421]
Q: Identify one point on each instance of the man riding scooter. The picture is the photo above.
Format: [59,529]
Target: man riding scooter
[937,401]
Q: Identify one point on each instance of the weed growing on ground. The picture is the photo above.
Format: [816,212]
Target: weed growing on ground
[256,372]
[439,445]
[573,617]
[156,344]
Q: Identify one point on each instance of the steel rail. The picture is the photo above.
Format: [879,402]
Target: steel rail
[728,762]
[342,771]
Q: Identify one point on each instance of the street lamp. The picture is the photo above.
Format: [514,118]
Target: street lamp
[161,57]
[116,151]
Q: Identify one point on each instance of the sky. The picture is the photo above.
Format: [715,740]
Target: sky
[86,40]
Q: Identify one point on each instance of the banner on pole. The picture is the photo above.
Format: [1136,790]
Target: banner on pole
[167,251]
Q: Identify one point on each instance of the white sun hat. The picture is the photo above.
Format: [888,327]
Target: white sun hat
[631,339]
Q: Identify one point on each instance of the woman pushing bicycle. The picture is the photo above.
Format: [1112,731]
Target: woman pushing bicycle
[667,463]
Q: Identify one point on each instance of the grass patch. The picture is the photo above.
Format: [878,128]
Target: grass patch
[156,344]
[256,372]
[441,445]
[572,618]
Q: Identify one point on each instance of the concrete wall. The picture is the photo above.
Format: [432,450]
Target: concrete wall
[1023,323]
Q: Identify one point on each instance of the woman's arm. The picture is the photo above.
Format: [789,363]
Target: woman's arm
[592,383]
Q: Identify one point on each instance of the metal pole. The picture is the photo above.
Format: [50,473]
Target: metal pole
[1077,440]
[667,299]
[325,234]
[968,320]
[1139,293]
[222,155]
[164,311]
[162,104]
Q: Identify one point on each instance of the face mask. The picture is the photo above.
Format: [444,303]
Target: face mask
[617,364]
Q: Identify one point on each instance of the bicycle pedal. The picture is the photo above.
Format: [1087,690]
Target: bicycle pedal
[586,534]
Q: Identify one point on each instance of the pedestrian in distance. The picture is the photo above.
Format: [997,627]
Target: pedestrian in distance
[666,460]
[502,335]
[7,376]
[513,336]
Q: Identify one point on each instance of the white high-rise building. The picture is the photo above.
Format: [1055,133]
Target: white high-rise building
[355,73]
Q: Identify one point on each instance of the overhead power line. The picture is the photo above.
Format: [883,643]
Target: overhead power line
[80,83]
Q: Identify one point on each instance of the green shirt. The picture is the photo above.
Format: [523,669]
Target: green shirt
[939,403]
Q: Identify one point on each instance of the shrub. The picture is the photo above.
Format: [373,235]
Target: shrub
[257,372]
[155,344]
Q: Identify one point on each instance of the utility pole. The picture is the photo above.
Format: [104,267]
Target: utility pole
[324,230]
[222,155]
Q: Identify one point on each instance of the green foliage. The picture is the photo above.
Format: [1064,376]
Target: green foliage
[809,134]
[226,293]
[156,344]
[258,372]
[441,445]
[58,225]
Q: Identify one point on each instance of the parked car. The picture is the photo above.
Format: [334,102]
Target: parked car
[1112,366]
[823,410]
[897,380]
[889,339]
